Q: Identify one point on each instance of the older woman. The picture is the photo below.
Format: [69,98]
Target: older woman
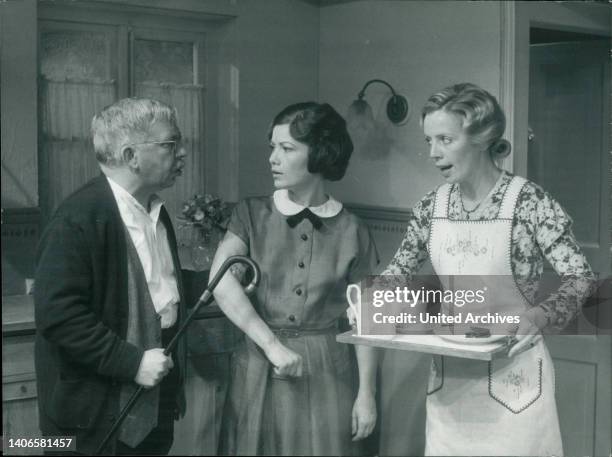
[292,383]
[508,406]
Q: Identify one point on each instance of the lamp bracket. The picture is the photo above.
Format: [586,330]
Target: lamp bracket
[362,91]
[397,106]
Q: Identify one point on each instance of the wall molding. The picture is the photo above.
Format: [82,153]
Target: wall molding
[192,10]
[19,216]
[380,212]
[382,219]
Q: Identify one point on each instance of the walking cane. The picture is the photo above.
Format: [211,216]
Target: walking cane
[205,299]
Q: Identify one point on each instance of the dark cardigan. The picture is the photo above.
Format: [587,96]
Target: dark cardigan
[81,307]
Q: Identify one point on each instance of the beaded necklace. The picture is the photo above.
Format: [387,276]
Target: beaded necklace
[467,212]
[470,211]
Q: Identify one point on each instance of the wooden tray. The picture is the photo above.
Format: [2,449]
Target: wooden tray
[431,344]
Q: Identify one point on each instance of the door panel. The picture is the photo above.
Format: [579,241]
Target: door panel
[83,68]
[78,75]
[567,156]
[569,84]
[576,404]
[170,67]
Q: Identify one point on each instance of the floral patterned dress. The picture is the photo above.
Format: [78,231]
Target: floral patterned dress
[541,230]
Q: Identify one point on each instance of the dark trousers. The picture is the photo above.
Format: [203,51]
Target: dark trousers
[160,440]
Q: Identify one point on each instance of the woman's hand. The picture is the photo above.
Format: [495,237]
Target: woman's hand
[529,329]
[285,361]
[364,415]
[352,319]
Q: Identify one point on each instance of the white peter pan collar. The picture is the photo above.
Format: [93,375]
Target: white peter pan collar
[288,207]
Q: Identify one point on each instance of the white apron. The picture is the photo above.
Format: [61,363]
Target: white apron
[503,407]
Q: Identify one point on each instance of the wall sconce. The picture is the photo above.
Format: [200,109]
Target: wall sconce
[360,112]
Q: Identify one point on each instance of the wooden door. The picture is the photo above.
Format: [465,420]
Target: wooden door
[169,65]
[85,66]
[567,155]
[78,75]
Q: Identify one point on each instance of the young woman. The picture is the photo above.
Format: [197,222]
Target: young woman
[292,389]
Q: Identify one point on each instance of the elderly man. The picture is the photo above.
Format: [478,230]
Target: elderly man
[108,290]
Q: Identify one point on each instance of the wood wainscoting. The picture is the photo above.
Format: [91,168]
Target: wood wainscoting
[401,409]
[387,225]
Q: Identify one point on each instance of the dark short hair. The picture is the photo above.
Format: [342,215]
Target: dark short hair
[323,130]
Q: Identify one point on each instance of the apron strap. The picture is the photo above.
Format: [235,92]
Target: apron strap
[441,203]
[506,210]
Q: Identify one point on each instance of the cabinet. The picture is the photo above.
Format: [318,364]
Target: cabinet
[19,406]
[211,338]
[197,433]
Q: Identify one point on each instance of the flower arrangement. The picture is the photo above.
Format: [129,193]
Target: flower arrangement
[206,213]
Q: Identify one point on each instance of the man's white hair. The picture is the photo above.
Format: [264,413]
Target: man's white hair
[123,122]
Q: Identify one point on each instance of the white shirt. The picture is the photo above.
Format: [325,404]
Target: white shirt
[151,242]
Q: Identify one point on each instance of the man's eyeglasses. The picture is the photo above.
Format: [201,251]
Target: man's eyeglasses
[172,145]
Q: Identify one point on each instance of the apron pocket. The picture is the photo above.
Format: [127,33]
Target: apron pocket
[436,375]
[516,383]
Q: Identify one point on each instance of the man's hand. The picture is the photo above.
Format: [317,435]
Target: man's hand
[285,361]
[153,367]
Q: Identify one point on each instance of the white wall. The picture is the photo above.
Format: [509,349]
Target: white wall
[278,58]
[19,99]
[418,47]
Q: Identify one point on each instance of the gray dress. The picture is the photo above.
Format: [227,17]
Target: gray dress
[301,297]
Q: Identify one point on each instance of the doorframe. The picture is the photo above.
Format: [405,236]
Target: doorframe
[516,19]
[507,78]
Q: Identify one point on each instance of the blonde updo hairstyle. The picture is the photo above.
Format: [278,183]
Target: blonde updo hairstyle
[482,117]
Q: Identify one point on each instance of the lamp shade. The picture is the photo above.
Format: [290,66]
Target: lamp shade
[359,118]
